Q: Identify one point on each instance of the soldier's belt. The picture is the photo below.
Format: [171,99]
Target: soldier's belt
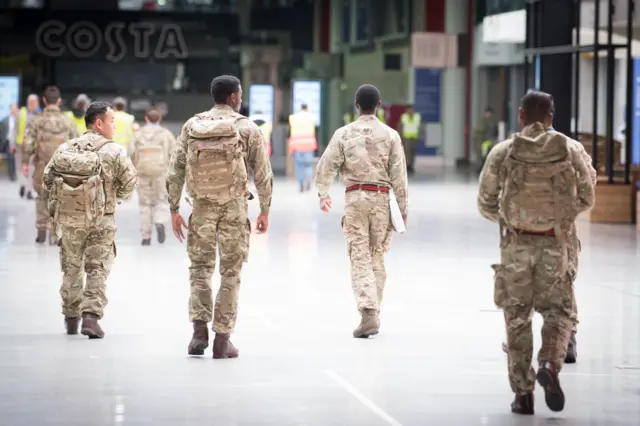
[367,187]
[547,233]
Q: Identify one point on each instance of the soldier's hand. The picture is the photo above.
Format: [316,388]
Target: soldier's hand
[177,223]
[262,224]
[326,203]
[25,170]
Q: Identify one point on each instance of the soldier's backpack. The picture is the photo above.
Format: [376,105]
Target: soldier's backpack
[216,169]
[539,190]
[50,137]
[150,156]
[78,196]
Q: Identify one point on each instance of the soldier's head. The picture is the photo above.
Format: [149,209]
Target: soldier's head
[153,116]
[33,103]
[99,117]
[227,90]
[367,99]
[536,107]
[51,96]
[119,104]
[304,107]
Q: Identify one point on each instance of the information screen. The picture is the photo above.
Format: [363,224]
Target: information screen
[309,93]
[9,93]
[261,97]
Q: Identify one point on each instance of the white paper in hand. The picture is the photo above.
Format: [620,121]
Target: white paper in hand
[396,214]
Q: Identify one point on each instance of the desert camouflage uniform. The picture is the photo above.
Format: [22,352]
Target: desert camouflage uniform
[366,152]
[225,223]
[152,190]
[534,273]
[91,250]
[44,134]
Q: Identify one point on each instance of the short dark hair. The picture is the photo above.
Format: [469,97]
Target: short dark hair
[303,106]
[154,115]
[537,106]
[367,97]
[96,110]
[224,86]
[51,94]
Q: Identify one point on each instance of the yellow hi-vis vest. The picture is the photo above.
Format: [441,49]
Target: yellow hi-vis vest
[303,132]
[79,121]
[123,129]
[380,115]
[410,125]
[348,118]
[266,129]
[22,125]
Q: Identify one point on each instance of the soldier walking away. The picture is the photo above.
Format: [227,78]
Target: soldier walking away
[44,134]
[150,151]
[85,179]
[370,159]
[214,152]
[534,185]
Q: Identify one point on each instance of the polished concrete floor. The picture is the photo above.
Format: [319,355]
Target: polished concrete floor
[437,360]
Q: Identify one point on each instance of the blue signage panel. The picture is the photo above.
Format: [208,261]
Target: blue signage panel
[428,101]
[362,20]
[635,140]
[261,97]
[308,92]
[9,93]
[346,21]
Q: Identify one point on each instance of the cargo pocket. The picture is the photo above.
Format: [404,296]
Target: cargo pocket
[499,286]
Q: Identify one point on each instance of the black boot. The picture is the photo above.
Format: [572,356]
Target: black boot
[548,379]
[42,236]
[22,191]
[161,234]
[146,242]
[572,353]
[71,325]
[523,404]
[90,326]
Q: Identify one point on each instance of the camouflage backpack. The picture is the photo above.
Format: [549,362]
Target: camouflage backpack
[150,157]
[216,168]
[78,197]
[50,137]
[540,184]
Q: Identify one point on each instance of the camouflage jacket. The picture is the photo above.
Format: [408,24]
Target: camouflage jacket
[491,176]
[152,134]
[120,177]
[45,132]
[365,151]
[253,145]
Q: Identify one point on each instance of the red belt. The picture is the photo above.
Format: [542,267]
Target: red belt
[547,233]
[367,187]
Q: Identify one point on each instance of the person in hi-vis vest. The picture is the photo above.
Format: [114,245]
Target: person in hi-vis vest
[380,114]
[266,127]
[410,131]
[303,145]
[25,116]
[123,123]
[76,114]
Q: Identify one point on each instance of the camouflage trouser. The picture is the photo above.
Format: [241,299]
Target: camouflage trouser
[210,224]
[367,229]
[89,251]
[154,206]
[42,211]
[533,276]
[410,146]
[574,249]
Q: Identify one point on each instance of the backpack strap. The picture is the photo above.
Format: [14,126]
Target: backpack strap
[100,144]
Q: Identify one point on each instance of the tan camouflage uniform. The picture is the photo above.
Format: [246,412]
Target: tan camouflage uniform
[532,275]
[91,251]
[366,152]
[152,190]
[44,134]
[225,223]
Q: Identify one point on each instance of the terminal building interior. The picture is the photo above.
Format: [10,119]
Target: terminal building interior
[462,66]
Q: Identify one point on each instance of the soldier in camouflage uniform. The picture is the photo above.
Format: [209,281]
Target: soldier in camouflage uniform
[87,245]
[44,134]
[150,151]
[534,185]
[370,158]
[214,152]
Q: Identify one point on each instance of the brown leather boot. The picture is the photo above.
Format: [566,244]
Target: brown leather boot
[223,348]
[90,326]
[369,324]
[42,236]
[200,339]
[522,404]
[548,378]
[572,353]
[72,324]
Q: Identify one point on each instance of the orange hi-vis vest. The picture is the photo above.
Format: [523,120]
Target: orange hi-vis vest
[303,132]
